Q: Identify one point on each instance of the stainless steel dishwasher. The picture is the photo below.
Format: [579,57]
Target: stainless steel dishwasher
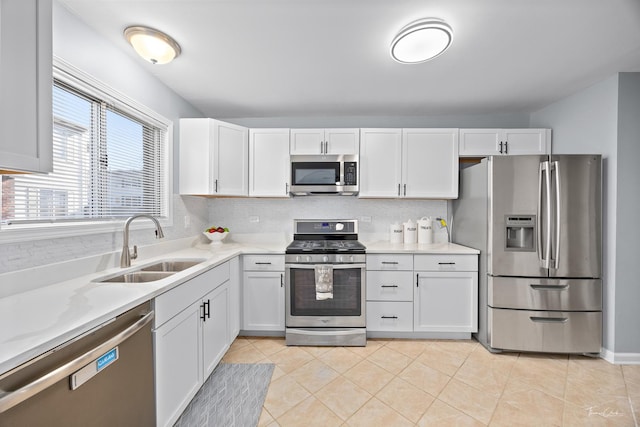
[101,378]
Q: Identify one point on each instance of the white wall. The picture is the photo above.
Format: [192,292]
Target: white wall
[82,47]
[587,122]
[627,298]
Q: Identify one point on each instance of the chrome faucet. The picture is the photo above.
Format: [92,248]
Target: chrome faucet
[126,257]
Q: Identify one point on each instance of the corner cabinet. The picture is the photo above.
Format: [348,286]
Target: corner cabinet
[191,335]
[26,119]
[496,142]
[263,293]
[324,141]
[409,163]
[446,293]
[214,158]
[269,163]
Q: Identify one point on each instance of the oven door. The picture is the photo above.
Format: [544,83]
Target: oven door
[345,309]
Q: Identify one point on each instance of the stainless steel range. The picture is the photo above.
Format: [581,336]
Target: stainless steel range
[325,284]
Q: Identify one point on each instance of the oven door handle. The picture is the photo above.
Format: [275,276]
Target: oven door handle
[334,266]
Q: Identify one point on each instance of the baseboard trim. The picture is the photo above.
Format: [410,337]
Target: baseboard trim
[620,358]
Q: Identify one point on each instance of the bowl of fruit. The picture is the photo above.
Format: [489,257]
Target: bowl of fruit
[216,234]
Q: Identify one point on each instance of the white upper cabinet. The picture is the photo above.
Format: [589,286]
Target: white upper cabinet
[214,158]
[493,142]
[380,162]
[26,129]
[269,163]
[324,141]
[411,163]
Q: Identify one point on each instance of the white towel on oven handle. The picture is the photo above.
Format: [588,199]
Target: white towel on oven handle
[324,281]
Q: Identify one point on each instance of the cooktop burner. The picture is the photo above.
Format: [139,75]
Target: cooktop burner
[325,237]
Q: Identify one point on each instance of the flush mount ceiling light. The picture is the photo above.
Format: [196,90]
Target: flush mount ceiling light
[421,41]
[153,45]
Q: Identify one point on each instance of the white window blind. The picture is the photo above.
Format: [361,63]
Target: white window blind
[108,163]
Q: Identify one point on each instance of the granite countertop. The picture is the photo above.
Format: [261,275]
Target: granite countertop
[44,307]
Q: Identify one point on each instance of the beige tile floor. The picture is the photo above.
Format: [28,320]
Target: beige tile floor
[438,383]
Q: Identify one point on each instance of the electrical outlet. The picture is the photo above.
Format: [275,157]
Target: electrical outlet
[254,218]
[187,221]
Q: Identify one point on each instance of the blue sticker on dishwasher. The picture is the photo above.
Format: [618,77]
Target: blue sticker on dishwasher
[107,358]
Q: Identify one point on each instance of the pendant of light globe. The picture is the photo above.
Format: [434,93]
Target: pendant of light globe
[421,41]
[152,45]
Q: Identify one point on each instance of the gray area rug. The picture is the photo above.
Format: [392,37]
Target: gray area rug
[232,397]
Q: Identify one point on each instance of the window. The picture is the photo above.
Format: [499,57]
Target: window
[109,161]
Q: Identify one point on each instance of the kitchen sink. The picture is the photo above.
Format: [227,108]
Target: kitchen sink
[172,265]
[138,277]
[153,272]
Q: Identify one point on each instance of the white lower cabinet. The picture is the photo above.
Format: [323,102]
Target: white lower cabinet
[263,293]
[446,293]
[191,335]
[389,293]
[422,294]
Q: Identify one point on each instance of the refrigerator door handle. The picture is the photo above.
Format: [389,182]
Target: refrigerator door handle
[556,257]
[544,257]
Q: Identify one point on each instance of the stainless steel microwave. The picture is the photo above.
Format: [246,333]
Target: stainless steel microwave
[324,175]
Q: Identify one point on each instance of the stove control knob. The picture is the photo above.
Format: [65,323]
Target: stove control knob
[325,259]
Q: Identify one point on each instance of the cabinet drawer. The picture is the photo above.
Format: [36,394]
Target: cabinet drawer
[177,299]
[390,316]
[389,286]
[389,262]
[445,262]
[263,262]
[545,294]
[549,331]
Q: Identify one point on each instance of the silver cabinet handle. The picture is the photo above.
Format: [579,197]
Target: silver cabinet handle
[216,186]
[262,263]
[405,189]
[11,399]
[326,147]
[388,286]
[549,319]
[389,262]
[321,147]
[506,147]
[388,317]
[281,280]
[500,151]
[446,263]
[398,189]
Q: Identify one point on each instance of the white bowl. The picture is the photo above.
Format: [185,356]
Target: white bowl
[216,237]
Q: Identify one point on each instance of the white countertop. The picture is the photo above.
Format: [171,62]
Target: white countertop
[40,313]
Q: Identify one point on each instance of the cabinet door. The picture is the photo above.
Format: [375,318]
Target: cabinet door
[380,163]
[430,163]
[479,142]
[231,170]
[446,302]
[269,163]
[26,86]
[342,141]
[196,156]
[178,363]
[307,141]
[526,141]
[263,301]
[215,328]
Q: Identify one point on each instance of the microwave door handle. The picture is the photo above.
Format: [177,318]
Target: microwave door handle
[556,171]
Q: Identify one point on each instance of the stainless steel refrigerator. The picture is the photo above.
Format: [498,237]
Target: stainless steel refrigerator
[537,222]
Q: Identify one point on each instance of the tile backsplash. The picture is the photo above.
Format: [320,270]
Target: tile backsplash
[277,215]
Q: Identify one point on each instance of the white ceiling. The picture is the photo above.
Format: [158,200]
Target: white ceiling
[270,58]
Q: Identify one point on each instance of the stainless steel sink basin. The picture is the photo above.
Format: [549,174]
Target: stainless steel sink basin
[153,272]
[138,277]
[172,265]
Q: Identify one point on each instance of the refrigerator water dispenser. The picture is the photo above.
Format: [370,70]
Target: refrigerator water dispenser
[520,232]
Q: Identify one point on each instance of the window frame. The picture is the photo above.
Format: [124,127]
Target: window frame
[82,81]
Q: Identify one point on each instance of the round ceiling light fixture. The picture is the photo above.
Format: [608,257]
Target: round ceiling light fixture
[421,41]
[153,45]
